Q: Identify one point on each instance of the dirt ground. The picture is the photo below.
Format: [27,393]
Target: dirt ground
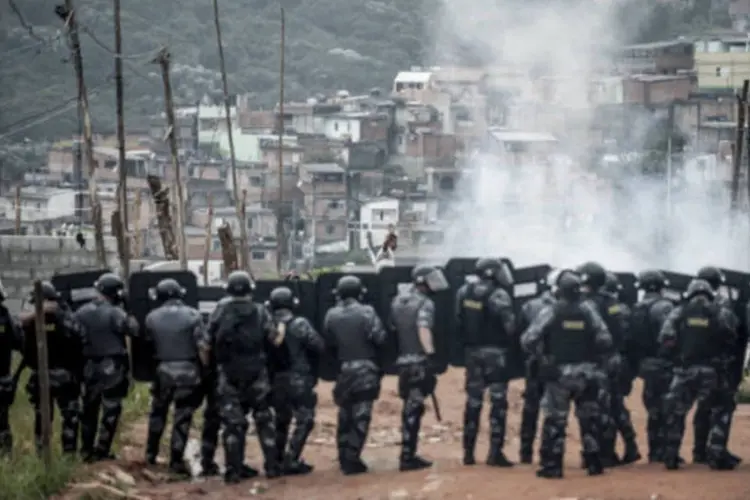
[448,478]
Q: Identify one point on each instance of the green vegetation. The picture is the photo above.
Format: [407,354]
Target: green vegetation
[24,476]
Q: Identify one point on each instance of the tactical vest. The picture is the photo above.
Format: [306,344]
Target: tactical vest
[571,338]
[59,349]
[611,312]
[697,327]
[101,322]
[240,339]
[173,336]
[404,316]
[350,327]
[481,327]
[644,332]
[7,342]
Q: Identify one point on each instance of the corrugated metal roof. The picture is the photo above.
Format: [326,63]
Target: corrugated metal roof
[521,136]
[413,77]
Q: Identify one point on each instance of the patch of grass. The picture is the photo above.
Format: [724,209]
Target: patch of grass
[24,476]
[743,395]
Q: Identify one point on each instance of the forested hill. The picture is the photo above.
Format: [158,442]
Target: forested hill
[331,44]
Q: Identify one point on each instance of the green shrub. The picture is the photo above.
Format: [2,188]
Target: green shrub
[24,476]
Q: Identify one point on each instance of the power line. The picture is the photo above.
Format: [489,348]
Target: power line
[29,28]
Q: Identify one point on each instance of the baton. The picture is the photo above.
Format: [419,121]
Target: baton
[436,407]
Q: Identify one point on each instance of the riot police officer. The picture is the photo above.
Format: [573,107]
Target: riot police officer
[354,334]
[293,369]
[571,340]
[65,343]
[11,339]
[486,325]
[702,417]
[240,333]
[534,386]
[106,375]
[649,315]
[614,414]
[697,334]
[413,317]
[177,335]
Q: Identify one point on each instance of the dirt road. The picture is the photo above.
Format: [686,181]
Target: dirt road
[448,478]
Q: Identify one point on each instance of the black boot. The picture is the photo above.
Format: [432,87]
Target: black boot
[297,467]
[632,454]
[527,455]
[469,457]
[550,472]
[671,460]
[179,468]
[498,459]
[354,467]
[722,462]
[247,472]
[413,463]
[210,469]
[593,464]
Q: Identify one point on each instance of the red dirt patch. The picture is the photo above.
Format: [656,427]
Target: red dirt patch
[448,478]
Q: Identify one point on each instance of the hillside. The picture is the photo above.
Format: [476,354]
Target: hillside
[331,44]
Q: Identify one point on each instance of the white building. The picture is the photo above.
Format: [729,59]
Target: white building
[43,203]
[375,216]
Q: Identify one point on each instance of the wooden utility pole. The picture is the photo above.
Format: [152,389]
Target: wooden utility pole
[244,250]
[43,373]
[67,13]
[18,210]
[739,143]
[160,195]
[163,60]
[137,250]
[209,238]
[123,243]
[280,122]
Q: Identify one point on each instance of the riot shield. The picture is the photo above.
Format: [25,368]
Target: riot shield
[208,296]
[76,289]
[527,280]
[629,293]
[140,304]
[737,288]
[324,288]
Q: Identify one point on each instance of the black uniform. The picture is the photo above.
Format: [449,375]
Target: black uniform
[106,374]
[177,333]
[648,318]
[64,346]
[11,339]
[354,333]
[411,311]
[534,385]
[239,334]
[571,341]
[486,324]
[614,414]
[293,370]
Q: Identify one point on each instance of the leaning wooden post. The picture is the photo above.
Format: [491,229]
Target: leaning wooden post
[43,374]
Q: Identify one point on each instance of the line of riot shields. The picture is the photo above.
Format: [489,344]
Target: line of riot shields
[317,297]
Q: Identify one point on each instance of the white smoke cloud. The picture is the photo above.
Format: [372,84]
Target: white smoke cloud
[561,213]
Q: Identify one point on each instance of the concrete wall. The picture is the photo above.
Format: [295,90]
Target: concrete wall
[25,258]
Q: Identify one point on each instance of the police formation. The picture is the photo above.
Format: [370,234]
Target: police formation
[579,338]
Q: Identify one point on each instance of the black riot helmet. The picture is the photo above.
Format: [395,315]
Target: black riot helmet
[494,270]
[110,286]
[239,284]
[168,289]
[350,287]
[282,298]
[651,281]
[568,285]
[612,284]
[430,278]
[592,275]
[49,292]
[699,287]
[712,275]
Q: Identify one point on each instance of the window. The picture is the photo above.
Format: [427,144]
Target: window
[215,245]
[250,222]
[256,181]
[258,255]
[330,229]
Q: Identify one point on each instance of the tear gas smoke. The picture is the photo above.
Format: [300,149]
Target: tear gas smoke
[557,209]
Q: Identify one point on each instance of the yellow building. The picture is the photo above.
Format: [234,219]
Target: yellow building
[722,62]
